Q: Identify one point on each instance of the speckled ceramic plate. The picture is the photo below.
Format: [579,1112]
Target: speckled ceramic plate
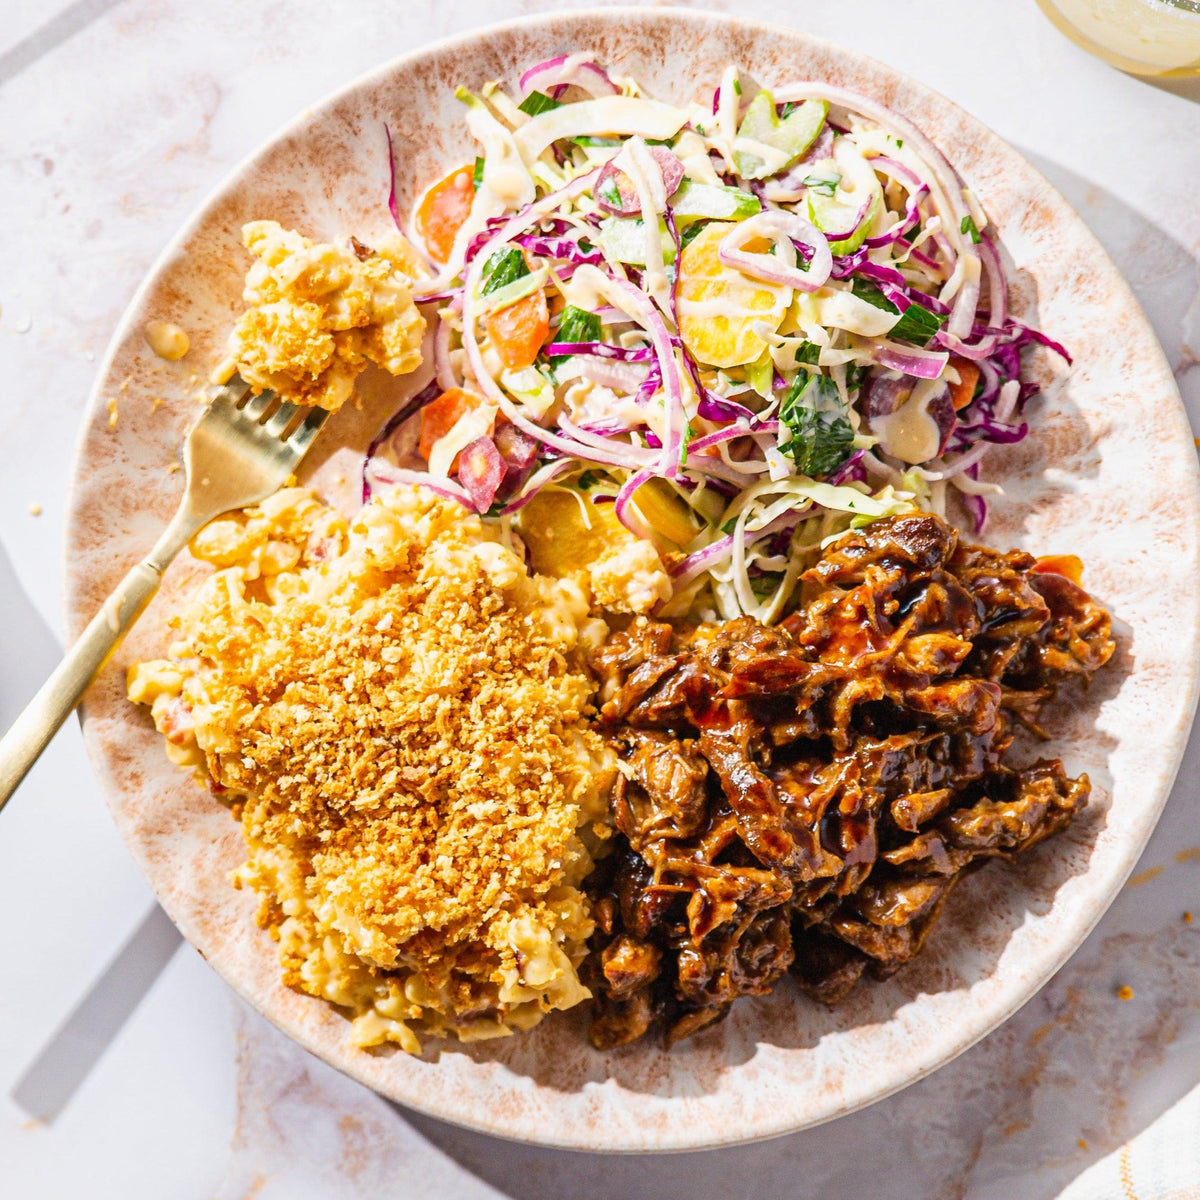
[1109,473]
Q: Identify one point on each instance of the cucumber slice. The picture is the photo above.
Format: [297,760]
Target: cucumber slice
[765,145]
[839,213]
[760,374]
[694,200]
[624,239]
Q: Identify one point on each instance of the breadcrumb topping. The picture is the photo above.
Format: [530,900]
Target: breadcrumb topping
[319,313]
[402,712]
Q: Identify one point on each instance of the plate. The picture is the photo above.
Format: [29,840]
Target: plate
[1109,473]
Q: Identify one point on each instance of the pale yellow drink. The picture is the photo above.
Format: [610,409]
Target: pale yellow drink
[1148,37]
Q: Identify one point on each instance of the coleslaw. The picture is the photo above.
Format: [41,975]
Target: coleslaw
[747,323]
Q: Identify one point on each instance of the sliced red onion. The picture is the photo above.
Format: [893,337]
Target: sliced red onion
[924,364]
[859,218]
[481,469]
[782,229]
[568,70]
[599,443]
[413,404]
[928,263]
[721,435]
[632,521]
[900,172]
[385,475]
[705,559]
[972,458]
[393,203]
[601,350]
[651,320]
[630,204]
[612,316]
[538,480]
[912,206]
[997,300]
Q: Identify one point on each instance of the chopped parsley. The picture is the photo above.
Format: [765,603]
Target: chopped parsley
[477,174]
[917,325]
[504,267]
[576,325]
[610,193]
[968,226]
[824,185]
[821,436]
[537,102]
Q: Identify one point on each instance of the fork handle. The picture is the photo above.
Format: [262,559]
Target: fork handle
[42,717]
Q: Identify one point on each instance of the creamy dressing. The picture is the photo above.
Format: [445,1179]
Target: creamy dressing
[504,172]
[471,425]
[644,173]
[691,151]
[608,115]
[774,158]
[840,309]
[910,433]
[708,310]
[586,289]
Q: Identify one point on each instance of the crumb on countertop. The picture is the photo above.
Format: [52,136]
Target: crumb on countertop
[35,509]
[1124,992]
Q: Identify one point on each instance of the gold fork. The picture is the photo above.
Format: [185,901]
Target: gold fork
[241,450]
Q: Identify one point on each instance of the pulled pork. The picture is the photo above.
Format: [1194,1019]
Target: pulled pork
[804,797]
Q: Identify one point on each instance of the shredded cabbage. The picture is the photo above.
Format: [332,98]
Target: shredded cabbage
[853,281]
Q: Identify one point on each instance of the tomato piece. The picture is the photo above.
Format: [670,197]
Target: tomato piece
[442,211]
[963,392]
[1069,566]
[519,331]
[440,416]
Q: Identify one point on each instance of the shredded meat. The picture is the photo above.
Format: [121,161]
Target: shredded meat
[805,797]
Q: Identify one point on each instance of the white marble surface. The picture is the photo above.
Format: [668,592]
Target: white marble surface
[115,119]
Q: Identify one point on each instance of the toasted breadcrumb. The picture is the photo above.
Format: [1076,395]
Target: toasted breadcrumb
[319,313]
[402,711]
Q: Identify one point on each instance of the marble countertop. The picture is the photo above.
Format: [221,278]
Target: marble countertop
[127,1068]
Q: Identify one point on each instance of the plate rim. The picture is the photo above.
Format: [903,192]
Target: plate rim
[1076,928]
